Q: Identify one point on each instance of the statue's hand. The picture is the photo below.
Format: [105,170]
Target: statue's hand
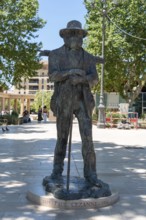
[74,79]
[78,72]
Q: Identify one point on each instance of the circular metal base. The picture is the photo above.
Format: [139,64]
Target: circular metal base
[80,194]
[79,188]
[50,201]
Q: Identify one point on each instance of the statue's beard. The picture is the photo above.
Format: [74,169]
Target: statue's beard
[73,45]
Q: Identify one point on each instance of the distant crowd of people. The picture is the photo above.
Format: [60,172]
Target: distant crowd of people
[42,114]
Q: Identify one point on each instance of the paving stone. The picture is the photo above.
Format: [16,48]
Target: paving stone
[26,157]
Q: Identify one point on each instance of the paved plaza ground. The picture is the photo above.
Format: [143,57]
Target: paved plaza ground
[26,156]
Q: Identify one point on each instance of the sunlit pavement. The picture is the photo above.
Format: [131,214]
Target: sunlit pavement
[26,155]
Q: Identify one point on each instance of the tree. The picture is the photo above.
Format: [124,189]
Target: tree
[42,98]
[18,49]
[3,86]
[125,44]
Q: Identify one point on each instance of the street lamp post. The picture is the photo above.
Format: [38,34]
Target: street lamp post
[101,107]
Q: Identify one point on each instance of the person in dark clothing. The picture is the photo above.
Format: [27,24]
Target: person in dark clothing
[40,114]
[26,117]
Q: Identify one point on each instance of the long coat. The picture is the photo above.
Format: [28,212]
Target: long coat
[59,62]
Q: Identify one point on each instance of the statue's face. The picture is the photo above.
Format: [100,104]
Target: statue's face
[73,42]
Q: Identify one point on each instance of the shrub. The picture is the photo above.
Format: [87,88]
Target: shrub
[116,116]
[11,119]
[14,114]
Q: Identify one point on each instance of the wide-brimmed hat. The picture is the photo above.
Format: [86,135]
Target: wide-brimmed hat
[73,26]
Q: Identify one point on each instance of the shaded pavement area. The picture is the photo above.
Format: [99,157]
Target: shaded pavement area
[26,157]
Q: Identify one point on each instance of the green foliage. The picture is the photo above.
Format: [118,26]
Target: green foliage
[143,116]
[18,49]
[42,98]
[12,105]
[10,119]
[3,86]
[115,116]
[125,57]
[94,116]
[15,114]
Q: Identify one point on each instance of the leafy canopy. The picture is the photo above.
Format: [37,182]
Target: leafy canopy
[125,44]
[42,98]
[18,49]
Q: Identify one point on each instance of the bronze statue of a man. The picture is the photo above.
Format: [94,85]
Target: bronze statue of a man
[73,71]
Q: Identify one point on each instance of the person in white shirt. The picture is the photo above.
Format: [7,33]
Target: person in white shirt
[45,113]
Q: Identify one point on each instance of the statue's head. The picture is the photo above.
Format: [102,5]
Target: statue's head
[73,28]
[73,35]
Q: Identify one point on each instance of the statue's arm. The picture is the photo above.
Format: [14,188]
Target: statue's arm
[75,76]
[99,59]
[44,53]
[92,76]
[88,75]
[58,76]
[90,67]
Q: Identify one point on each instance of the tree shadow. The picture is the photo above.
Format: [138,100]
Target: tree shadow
[27,161]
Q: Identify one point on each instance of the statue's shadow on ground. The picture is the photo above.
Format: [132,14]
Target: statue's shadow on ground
[78,188]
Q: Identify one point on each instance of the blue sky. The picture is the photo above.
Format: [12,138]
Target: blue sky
[57,13]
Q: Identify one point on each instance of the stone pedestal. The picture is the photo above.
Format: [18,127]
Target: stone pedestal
[38,196]
[79,195]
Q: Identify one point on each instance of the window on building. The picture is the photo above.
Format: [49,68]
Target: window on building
[33,87]
[48,87]
[36,81]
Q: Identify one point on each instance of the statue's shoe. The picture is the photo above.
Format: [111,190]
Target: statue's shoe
[94,181]
[56,175]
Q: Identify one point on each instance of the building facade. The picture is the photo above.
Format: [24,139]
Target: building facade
[113,100]
[37,83]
